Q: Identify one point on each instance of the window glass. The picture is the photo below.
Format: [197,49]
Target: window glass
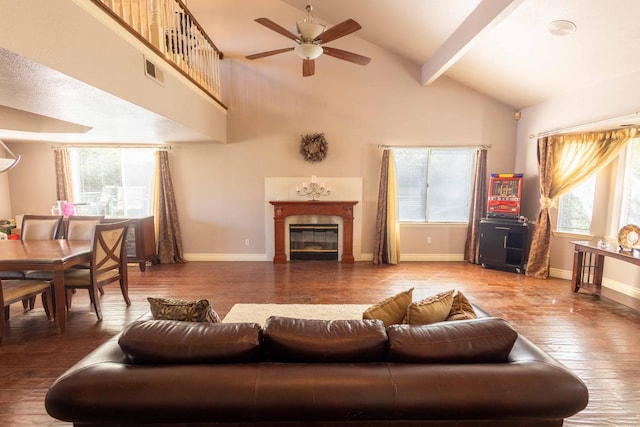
[411,176]
[575,208]
[115,182]
[434,184]
[630,203]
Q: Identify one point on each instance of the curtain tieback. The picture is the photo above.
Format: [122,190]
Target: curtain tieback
[547,202]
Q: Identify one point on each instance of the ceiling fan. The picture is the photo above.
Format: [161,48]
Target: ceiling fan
[310,40]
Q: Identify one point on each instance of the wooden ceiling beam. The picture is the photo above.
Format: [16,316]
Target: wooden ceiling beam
[484,17]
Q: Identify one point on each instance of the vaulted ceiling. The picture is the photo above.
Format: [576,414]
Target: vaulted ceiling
[503,48]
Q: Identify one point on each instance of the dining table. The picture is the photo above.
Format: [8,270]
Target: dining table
[46,255]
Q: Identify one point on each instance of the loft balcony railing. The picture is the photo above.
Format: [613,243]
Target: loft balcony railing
[169,29]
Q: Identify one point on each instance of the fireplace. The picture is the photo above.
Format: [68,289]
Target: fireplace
[284,209]
[313,242]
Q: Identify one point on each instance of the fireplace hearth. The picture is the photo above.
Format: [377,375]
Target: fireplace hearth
[313,242]
[286,208]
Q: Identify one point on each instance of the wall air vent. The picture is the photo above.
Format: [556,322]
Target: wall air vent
[153,72]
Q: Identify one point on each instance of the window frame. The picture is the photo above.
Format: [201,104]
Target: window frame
[124,189]
[429,194]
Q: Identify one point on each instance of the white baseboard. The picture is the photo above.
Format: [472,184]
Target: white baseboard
[363,257]
[560,274]
[431,257]
[622,288]
[614,285]
[226,257]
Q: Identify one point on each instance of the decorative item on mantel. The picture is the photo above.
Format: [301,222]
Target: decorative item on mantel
[313,189]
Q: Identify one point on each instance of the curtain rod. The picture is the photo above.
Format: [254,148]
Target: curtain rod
[593,123]
[381,146]
[158,146]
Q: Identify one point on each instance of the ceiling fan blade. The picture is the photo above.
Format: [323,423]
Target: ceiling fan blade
[269,53]
[277,28]
[346,56]
[308,67]
[342,29]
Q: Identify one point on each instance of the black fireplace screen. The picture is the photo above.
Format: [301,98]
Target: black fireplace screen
[317,242]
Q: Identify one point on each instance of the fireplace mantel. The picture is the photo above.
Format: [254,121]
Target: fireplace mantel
[283,209]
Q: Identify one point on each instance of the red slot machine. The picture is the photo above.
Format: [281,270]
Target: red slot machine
[505,194]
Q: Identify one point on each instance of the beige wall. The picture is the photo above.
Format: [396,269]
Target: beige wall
[220,187]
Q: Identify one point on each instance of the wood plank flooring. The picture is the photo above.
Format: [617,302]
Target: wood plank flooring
[595,337]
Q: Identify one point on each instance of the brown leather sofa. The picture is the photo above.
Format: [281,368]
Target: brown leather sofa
[309,372]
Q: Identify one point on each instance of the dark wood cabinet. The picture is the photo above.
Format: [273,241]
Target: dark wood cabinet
[504,244]
[141,240]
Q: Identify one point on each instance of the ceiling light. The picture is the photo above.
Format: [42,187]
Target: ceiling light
[309,28]
[561,27]
[308,50]
[7,163]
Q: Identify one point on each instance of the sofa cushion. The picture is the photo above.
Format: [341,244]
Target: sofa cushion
[390,310]
[484,340]
[433,309]
[172,342]
[303,340]
[185,310]
[461,308]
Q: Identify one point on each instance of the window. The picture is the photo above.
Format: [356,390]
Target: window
[575,208]
[630,201]
[115,182]
[577,211]
[434,184]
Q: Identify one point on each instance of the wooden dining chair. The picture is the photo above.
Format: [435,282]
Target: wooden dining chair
[108,265]
[76,227]
[40,227]
[81,227]
[21,290]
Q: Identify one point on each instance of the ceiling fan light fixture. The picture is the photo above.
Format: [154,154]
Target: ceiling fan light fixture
[310,40]
[309,28]
[308,50]
[7,163]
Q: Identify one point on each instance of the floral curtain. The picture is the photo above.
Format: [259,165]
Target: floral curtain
[565,161]
[387,240]
[478,208]
[166,213]
[64,183]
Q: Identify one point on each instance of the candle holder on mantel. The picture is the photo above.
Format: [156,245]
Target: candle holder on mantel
[314,189]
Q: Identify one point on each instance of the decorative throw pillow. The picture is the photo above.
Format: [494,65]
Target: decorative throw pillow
[461,308]
[433,309]
[187,311]
[390,310]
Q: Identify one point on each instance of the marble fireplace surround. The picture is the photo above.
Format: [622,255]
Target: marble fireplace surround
[284,189]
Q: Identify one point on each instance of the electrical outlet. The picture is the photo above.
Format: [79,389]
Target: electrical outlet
[428,240]
[247,242]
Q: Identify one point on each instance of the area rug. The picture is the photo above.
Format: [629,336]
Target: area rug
[259,313]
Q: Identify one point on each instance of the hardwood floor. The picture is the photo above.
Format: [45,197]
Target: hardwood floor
[596,338]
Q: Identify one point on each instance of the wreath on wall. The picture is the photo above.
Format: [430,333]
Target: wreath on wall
[314,147]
